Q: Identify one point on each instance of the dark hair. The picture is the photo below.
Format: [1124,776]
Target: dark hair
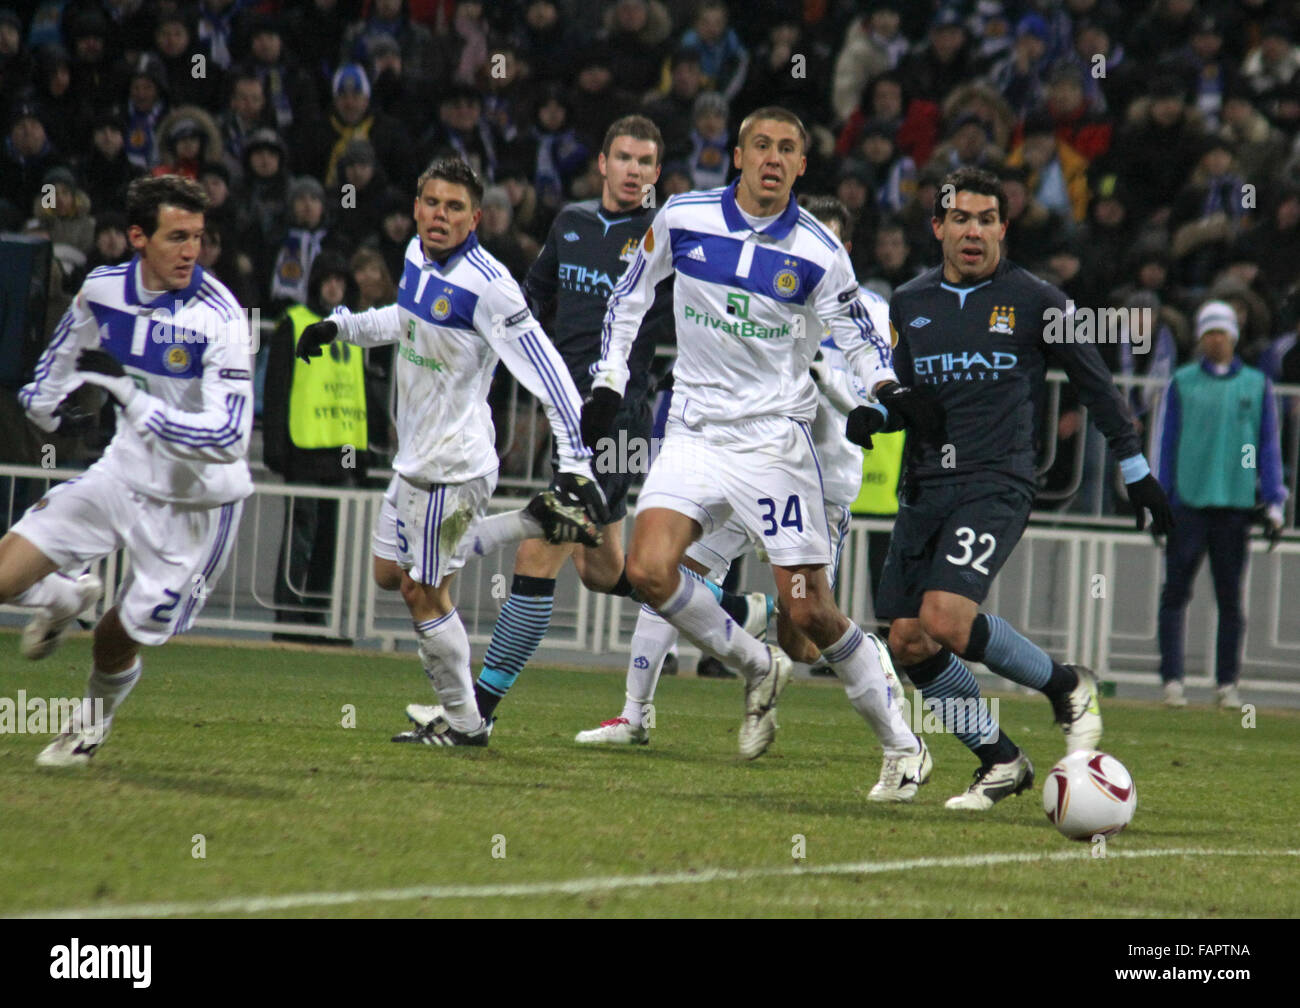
[974,180]
[827,209]
[777,114]
[638,127]
[146,196]
[456,171]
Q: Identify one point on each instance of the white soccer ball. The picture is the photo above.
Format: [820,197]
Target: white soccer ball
[1089,794]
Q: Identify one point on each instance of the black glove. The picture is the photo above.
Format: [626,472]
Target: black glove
[918,406]
[863,422]
[585,492]
[598,415]
[100,362]
[99,367]
[75,420]
[314,337]
[1147,494]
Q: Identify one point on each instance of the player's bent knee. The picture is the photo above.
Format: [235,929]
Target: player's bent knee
[907,642]
[951,629]
[112,648]
[651,578]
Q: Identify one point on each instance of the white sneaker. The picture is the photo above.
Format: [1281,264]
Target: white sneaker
[1079,712]
[73,749]
[1174,695]
[760,614]
[617,731]
[759,727]
[44,631]
[993,783]
[891,677]
[1229,697]
[421,714]
[902,776]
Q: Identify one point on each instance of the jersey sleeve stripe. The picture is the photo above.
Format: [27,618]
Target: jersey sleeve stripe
[47,359]
[810,223]
[621,289]
[202,437]
[543,368]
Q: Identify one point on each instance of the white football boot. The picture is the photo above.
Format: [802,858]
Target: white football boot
[993,783]
[1229,697]
[1079,712]
[616,731]
[759,727]
[45,630]
[902,776]
[74,748]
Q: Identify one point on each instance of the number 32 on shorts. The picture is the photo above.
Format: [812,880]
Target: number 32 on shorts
[966,538]
[791,517]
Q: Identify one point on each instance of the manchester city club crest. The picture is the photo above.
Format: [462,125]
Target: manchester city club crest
[442,308]
[1002,320]
[786,283]
[176,360]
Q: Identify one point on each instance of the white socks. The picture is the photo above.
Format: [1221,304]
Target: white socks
[487,535]
[652,639]
[444,653]
[55,592]
[857,664]
[110,691]
[693,610]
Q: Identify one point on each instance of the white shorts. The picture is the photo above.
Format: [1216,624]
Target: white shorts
[429,523]
[716,551]
[383,541]
[763,472]
[176,553]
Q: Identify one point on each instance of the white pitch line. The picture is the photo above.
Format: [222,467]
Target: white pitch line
[580,886]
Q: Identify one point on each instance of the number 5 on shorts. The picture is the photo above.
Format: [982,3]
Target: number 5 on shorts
[792,517]
[966,539]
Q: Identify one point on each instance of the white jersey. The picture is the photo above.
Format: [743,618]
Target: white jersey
[841,459]
[184,438]
[451,324]
[750,309]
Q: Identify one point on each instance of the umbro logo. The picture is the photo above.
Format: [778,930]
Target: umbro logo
[571,236]
[697,254]
[919,321]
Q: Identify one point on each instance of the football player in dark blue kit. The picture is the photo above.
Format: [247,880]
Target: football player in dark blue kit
[971,331]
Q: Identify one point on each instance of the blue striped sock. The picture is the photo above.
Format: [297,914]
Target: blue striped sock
[519,630]
[954,697]
[1013,656]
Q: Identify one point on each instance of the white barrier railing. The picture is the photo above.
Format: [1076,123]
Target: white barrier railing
[1089,595]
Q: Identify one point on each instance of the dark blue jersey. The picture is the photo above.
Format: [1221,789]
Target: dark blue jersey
[586,252]
[981,348]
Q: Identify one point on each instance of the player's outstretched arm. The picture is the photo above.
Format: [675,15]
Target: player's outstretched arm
[535,363]
[630,299]
[56,372]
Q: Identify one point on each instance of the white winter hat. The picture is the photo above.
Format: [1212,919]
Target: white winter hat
[1217,315]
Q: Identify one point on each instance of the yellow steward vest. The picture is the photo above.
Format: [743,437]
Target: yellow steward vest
[327,398]
[880,470]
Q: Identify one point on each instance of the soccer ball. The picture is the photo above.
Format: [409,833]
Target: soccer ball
[1088,794]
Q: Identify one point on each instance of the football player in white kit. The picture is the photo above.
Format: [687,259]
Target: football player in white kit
[756,277]
[171,347]
[838,395]
[458,311]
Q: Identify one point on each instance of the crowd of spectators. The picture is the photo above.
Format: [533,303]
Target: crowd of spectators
[1150,151]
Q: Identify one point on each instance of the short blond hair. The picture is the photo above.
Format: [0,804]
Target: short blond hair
[777,114]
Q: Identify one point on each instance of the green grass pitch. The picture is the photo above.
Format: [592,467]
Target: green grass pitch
[242,752]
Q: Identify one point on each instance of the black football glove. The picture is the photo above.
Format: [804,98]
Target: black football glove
[585,492]
[862,423]
[314,337]
[75,419]
[918,406]
[1147,494]
[99,367]
[598,415]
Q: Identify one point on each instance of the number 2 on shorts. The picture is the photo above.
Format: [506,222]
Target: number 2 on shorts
[966,538]
[792,517]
